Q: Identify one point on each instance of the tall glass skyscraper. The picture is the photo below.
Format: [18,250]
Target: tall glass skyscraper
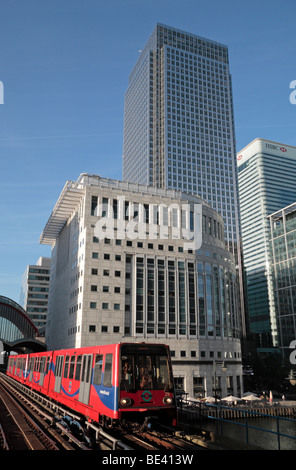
[283,252]
[179,126]
[267,175]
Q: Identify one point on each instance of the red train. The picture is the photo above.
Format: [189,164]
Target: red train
[107,384]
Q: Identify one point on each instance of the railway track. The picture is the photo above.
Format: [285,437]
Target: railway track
[27,424]
[19,429]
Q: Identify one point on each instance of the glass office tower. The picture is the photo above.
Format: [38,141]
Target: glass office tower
[283,256]
[267,174]
[178,123]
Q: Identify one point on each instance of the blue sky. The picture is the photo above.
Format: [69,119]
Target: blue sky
[65,65]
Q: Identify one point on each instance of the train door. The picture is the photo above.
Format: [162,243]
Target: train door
[58,374]
[31,367]
[85,378]
[42,370]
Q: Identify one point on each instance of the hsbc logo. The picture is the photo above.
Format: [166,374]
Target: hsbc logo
[239,157]
[275,147]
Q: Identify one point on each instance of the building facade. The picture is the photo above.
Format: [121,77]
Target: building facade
[283,257]
[179,125]
[34,291]
[136,263]
[267,174]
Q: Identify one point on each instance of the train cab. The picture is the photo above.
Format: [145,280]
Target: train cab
[146,383]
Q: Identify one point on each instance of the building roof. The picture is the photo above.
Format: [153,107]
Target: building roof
[74,191]
[68,200]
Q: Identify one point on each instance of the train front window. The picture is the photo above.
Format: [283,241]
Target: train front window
[146,372]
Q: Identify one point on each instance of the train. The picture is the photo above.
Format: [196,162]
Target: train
[109,384]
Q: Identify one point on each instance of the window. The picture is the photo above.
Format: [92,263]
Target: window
[116,306]
[117,290]
[92,328]
[95,255]
[72,366]
[94,271]
[93,288]
[105,305]
[105,288]
[97,379]
[78,368]
[93,305]
[104,329]
[108,370]
[66,368]
[94,204]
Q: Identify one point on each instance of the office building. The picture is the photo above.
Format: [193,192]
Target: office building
[34,292]
[267,175]
[179,126]
[283,264]
[135,263]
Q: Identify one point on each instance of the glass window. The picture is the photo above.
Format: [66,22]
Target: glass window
[145,371]
[97,380]
[72,366]
[108,370]
[66,367]
[78,368]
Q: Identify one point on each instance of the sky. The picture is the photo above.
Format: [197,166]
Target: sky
[65,65]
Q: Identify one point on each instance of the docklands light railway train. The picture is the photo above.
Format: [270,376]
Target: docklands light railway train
[108,384]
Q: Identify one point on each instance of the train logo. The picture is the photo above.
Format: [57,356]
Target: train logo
[146,395]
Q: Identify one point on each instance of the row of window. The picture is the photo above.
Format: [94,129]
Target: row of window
[105,306]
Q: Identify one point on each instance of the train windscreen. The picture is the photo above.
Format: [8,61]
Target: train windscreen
[145,368]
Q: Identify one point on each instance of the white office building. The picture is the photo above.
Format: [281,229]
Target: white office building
[34,292]
[136,263]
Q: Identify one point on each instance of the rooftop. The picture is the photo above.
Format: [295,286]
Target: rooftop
[73,192]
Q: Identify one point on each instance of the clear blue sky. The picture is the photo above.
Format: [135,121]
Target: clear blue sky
[65,66]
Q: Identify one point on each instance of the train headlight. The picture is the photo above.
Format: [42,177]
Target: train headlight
[125,401]
[168,400]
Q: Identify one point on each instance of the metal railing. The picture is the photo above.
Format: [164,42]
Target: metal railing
[204,411]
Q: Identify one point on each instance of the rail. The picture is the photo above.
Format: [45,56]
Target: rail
[199,412]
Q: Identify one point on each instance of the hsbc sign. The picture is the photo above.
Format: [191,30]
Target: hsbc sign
[275,147]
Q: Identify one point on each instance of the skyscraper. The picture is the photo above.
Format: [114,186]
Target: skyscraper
[178,123]
[267,174]
[283,257]
[34,291]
